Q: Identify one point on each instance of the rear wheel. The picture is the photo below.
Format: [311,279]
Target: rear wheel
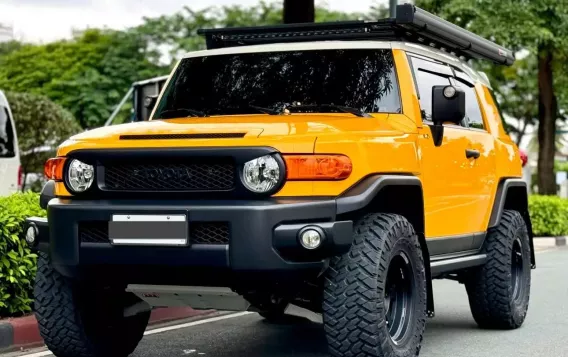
[375,295]
[81,321]
[499,291]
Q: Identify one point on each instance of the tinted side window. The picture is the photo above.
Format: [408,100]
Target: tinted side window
[426,78]
[473,115]
[6,134]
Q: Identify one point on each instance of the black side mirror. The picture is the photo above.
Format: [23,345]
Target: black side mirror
[448,105]
[150,102]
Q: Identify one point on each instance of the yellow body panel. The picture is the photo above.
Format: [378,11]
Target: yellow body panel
[458,192]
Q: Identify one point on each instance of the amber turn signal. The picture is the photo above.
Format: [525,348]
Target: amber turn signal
[317,167]
[53,168]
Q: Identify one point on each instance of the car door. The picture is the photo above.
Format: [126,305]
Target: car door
[481,164]
[448,186]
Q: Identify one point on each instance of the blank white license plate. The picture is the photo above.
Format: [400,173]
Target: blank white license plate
[153,230]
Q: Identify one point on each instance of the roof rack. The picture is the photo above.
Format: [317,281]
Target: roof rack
[411,24]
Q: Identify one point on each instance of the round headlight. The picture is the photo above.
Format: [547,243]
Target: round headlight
[80,176]
[262,174]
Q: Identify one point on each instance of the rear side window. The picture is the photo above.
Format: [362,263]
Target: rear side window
[429,74]
[7,145]
[473,115]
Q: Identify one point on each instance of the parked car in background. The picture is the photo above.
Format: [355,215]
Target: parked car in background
[10,168]
[141,97]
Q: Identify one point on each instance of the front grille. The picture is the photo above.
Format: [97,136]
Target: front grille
[209,232]
[203,176]
[200,232]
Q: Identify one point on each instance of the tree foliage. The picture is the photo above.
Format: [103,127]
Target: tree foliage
[87,74]
[177,33]
[41,126]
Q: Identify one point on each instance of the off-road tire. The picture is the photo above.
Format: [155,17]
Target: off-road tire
[74,324]
[354,307]
[490,287]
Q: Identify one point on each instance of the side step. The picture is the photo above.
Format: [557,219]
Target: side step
[198,297]
[439,267]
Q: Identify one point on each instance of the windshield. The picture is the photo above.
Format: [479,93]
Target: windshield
[363,79]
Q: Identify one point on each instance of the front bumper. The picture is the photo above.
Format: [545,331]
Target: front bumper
[263,236]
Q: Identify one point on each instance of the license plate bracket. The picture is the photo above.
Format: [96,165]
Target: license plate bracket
[149,230]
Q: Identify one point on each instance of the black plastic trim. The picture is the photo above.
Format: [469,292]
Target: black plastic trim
[251,223]
[499,206]
[361,194]
[337,239]
[440,267]
[501,197]
[47,193]
[455,244]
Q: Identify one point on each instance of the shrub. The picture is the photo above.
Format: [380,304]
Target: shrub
[41,126]
[549,215]
[17,262]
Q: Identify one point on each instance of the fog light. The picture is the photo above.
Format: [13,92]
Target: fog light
[31,235]
[310,238]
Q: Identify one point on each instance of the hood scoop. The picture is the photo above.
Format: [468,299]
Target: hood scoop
[183,136]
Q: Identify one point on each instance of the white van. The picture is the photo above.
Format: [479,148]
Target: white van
[10,168]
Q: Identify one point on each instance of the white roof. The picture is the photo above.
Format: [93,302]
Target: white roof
[331,45]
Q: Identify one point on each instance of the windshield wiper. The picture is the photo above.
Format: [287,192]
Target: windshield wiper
[350,110]
[182,111]
[265,110]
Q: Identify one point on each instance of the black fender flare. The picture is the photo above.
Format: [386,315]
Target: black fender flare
[47,194]
[512,193]
[362,194]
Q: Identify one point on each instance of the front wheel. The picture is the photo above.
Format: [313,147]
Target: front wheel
[82,321]
[375,295]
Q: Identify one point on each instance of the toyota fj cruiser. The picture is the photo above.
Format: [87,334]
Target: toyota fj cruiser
[339,167]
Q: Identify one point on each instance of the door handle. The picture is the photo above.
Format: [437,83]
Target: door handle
[471,153]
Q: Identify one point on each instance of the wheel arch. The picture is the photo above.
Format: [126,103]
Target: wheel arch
[390,194]
[512,194]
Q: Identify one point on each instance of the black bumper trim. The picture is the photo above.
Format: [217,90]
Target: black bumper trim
[252,225]
[263,234]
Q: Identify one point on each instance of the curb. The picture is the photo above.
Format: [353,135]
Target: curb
[546,242]
[23,332]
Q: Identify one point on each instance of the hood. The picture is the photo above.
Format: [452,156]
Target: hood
[287,133]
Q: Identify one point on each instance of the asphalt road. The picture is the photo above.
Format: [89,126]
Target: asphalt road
[451,333]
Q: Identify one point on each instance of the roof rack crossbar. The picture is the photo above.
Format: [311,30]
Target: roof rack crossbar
[411,24]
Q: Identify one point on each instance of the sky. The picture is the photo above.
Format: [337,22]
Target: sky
[48,20]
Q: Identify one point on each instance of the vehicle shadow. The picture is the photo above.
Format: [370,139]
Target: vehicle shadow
[253,336]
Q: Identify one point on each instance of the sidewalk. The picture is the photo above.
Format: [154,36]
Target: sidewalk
[23,332]
[545,243]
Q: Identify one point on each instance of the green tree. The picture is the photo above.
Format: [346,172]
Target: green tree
[178,32]
[41,126]
[87,74]
[539,26]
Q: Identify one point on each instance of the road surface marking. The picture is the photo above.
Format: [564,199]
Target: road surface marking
[164,329]
[39,354]
[195,323]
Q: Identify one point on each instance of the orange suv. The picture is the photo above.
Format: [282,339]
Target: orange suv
[339,167]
